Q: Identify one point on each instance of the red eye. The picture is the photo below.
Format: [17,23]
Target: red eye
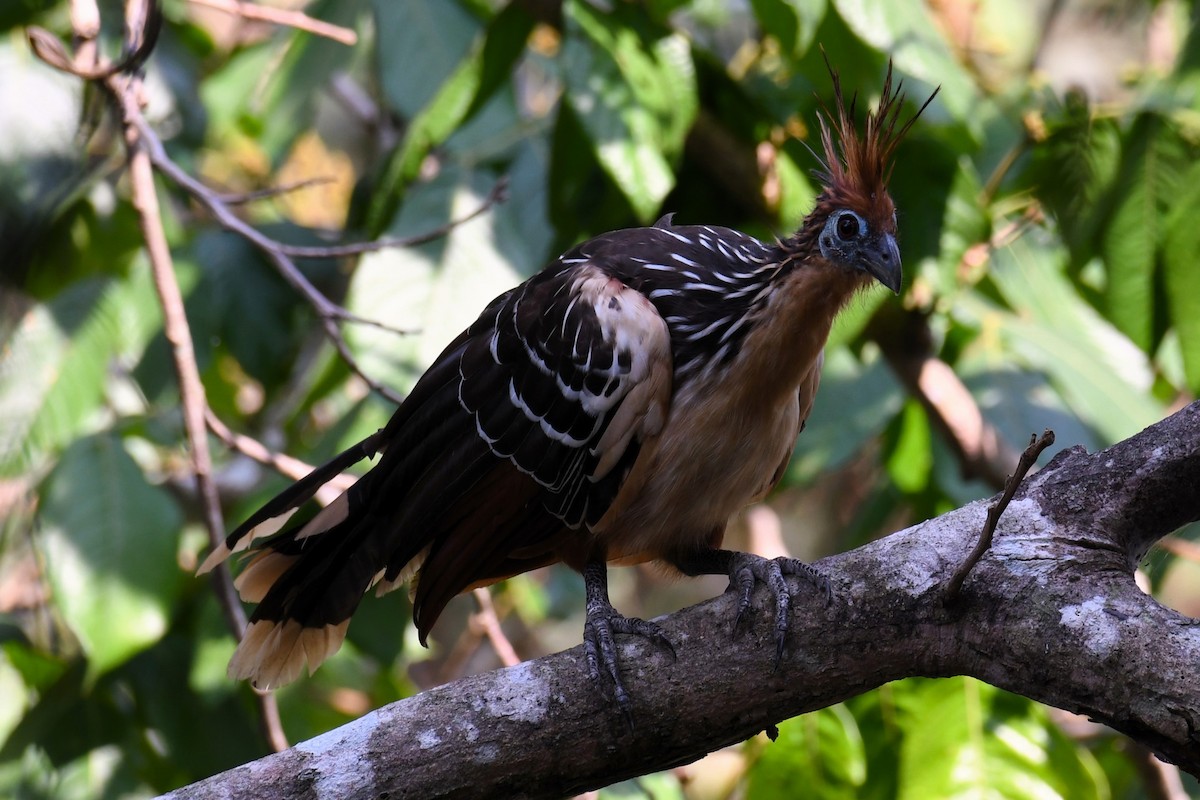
[848,227]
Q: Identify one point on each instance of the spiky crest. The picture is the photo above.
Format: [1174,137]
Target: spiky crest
[856,169]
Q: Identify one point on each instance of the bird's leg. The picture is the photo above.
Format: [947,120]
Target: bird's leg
[602,622]
[746,569]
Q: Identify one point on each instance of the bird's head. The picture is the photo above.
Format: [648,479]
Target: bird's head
[853,225]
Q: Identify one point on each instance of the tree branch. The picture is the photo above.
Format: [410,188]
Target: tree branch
[282,16]
[1050,612]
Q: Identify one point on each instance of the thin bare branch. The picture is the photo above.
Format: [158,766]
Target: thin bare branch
[498,194]
[142,23]
[241,198]
[1027,460]
[282,16]
[284,464]
[329,312]
[489,623]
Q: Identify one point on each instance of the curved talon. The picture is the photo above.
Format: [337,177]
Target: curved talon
[747,569]
[599,646]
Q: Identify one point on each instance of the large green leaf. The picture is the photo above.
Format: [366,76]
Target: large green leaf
[461,95]
[634,93]
[437,289]
[1102,376]
[1073,171]
[1149,183]
[963,738]
[109,540]
[420,46]
[854,405]
[908,33]
[1181,268]
[817,755]
[55,367]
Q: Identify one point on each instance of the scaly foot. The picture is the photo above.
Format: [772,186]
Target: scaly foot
[602,622]
[745,570]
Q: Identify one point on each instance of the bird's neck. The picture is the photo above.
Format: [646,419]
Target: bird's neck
[794,326]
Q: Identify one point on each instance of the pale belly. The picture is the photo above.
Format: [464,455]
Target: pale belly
[692,484]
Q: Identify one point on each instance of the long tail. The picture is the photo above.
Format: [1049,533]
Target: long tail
[309,577]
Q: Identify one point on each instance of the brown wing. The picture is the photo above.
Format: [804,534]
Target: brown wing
[518,436]
[564,382]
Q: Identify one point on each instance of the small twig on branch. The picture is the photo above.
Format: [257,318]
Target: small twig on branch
[122,82]
[487,620]
[1027,460]
[329,312]
[281,16]
[498,194]
[284,464]
[241,198]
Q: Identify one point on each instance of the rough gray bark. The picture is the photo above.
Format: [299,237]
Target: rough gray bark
[1051,612]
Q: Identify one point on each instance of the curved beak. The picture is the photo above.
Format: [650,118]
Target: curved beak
[882,261]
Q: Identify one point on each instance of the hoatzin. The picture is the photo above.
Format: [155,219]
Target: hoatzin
[618,406]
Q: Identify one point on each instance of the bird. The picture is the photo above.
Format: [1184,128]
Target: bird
[615,408]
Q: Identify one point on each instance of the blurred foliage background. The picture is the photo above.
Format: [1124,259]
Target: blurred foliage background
[1049,204]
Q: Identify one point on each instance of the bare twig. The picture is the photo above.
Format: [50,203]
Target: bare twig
[329,312]
[282,16]
[192,397]
[284,464]
[121,81]
[489,623]
[241,198]
[498,194]
[1027,460]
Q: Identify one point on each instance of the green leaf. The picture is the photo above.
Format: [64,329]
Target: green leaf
[793,22]
[911,459]
[109,541]
[963,738]
[821,752]
[475,80]
[293,87]
[1102,376]
[56,364]
[854,405]
[965,223]
[906,30]
[421,45]
[1181,275]
[1148,184]
[1073,171]
[436,289]
[634,94]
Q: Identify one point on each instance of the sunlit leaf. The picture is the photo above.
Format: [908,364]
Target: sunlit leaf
[911,460]
[56,365]
[906,31]
[963,738]
[1100,374]
[821,752]
[634,98]
[434,290]
[109,540]
[1181,273]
